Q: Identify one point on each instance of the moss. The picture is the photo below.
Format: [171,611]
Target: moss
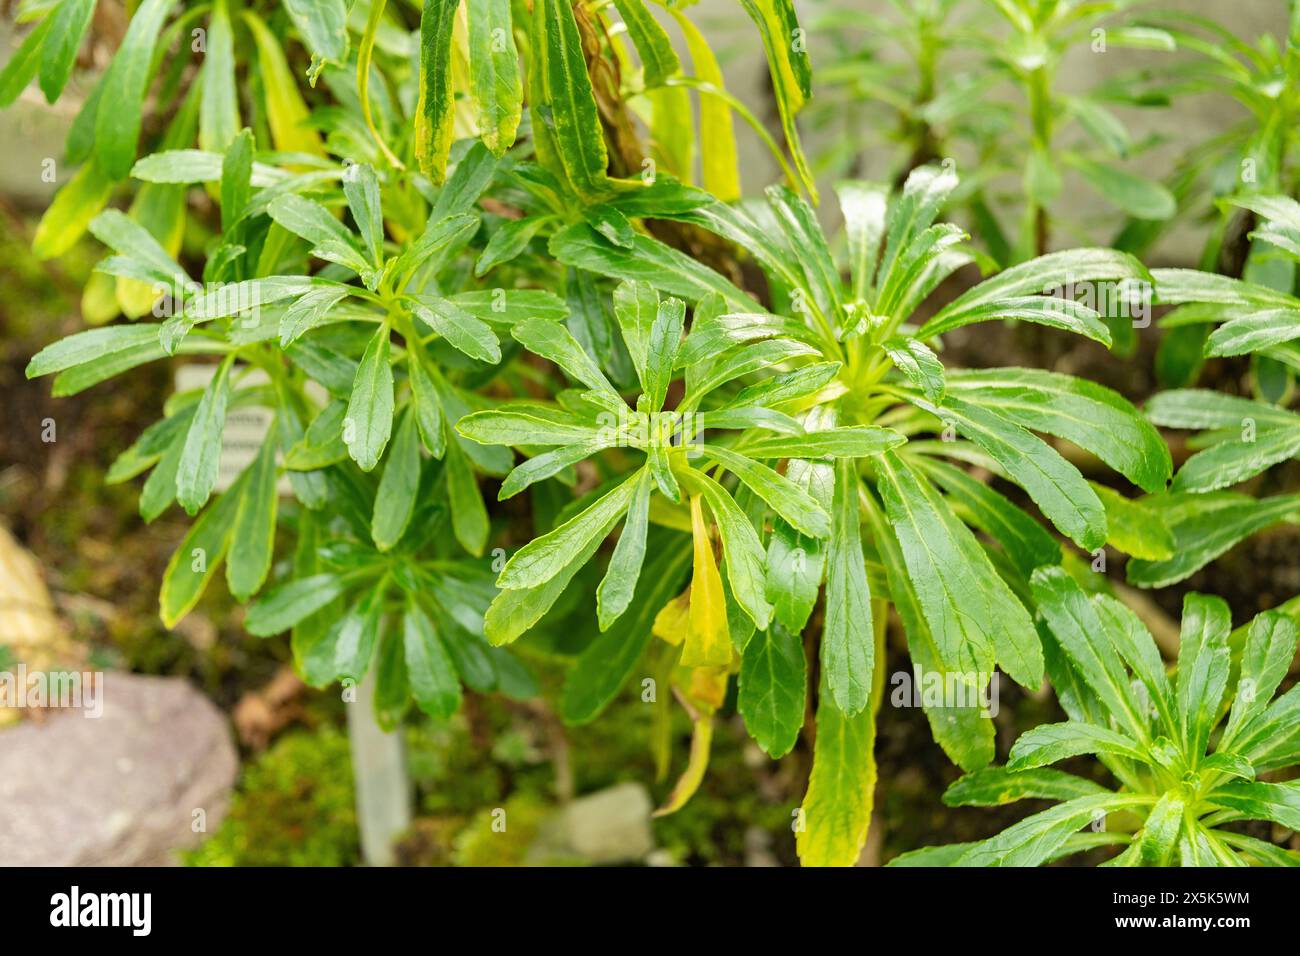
[294,807]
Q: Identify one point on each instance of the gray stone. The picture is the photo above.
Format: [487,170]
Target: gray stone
[118,790]
[609,826]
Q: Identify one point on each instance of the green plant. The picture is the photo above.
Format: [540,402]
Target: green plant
[1041,34]
[1184,774]
[865,417]
[1241,437]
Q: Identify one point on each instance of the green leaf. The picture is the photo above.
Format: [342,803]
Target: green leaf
[658,59]
[509,240]
[369,420]
[1060,270]
[1203,666]
[661,351]
[999,786]
[848,648]
[1267,655]
[786,498]
[543,558]
[202,452]
[494,73]
[1205,526]
[434,682]
[469,518]
[307,312]
[1036,839]
[1090,415]
[1137,196]
[198,557]
[117,129]
[1055,485]
[973,615]
[1024,540]
[1133,527]
[668,270]
[323,26]
[308,219]
[1048,743]
[553,342]
[253,541]
[68,25]
[742,549]
[357,635]
[918,364]
[236,178]
[1233,460]
[964,730]
[773,688]
[1254,332]
[619,584]
[1155,844]
[436,108]
[1076,625]
[1048,310]
[361,187]
[563,104]
[427,407]
[461,330]
[502,426]
[607,662]
[1278,802]
[836,810]
[865,206]
[219,97]
[291,602]
[23,63]
[396,497]
[854,441]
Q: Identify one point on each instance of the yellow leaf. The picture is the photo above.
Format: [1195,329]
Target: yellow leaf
[674,619]
[708,642]
[286,113]
[689,781]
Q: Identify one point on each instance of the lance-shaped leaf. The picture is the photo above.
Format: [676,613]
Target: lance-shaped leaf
[1036,839]
[494,73]
[1076,625]
[1055,485]
[1090,415]
[436,107]
[836,810]
[973,615]
[395,498]
[658,59]
[117,129]
[853,441]
[848,647]
[773,688]
[1203,666]
[784,497]
[197,473]
[361,187]
[196,561]
[369,419]
[1048,743]
[543,558]
[1048,310]
[432,675]
[1270,647]
[253,540]
[708,641]
[461,330]
[619,584]
[1204,526]
[553,342]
